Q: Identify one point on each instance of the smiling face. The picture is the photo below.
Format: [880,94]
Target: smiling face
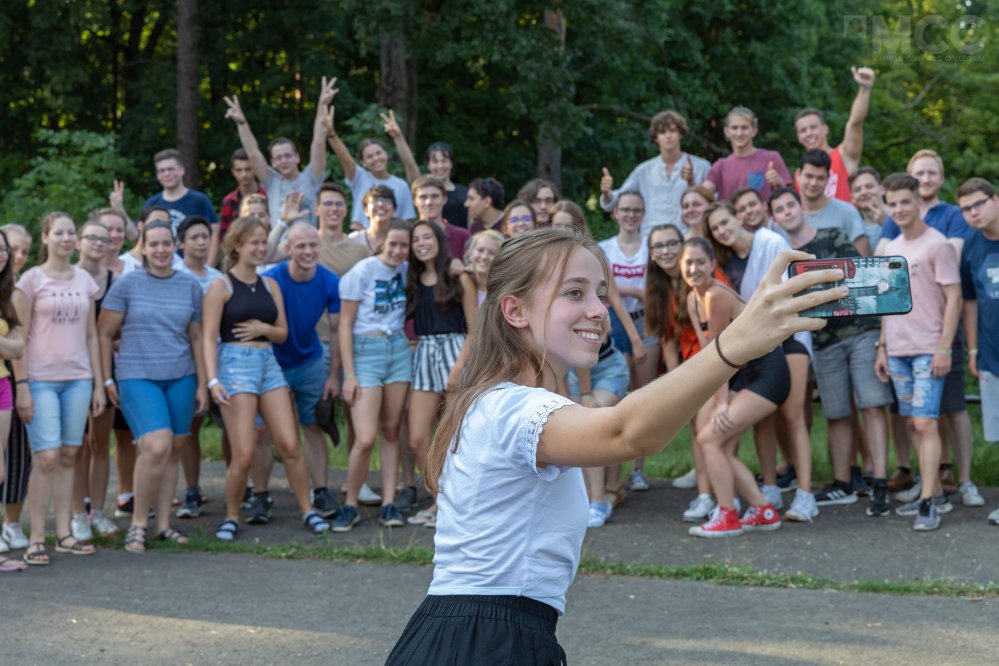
[374,159]
[724,227]
[697,267]
[903,205]
[20,247]
[424,244]
[927,171]
[812,132]
[740,131]
[520,221]
[253,250]
[692,209]
[483,254]
[788,213]
[380,209]
[440,165]
[331,209]
[567,318]
[158,248]
[196,242]
[477,205]
[396,248]
[169,173]
[866,192]
[285,159]
[60,238]
[303,247]
[93,243]
[664,248]
[429,203]
[628,212]
[116,230]
[750,211]
[813,180]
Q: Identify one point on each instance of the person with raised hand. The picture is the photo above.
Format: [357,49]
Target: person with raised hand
[507,453]
[59,377]
[282,175]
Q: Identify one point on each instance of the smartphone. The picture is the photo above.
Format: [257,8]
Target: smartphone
[878,286]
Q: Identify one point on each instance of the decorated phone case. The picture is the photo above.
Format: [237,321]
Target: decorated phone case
[878,286]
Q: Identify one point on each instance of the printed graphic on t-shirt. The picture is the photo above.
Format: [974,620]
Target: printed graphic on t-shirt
[389,295]
[756,180]
[68,306]
[990,274]
[628,272]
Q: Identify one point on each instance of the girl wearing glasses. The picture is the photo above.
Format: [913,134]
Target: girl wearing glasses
[518,218]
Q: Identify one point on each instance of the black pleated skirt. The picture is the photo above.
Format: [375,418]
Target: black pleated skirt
[459,630]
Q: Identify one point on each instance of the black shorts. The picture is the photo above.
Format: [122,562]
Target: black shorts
[768,377]
[792,346]
[952,401]
[479,629]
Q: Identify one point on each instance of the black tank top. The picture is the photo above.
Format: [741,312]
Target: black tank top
[107,286]
[248,301]
[429,320]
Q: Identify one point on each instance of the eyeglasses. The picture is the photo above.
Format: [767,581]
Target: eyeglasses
[381,201]
[631,211]
[170,169]
[96,240]
[977,206]
[526,219]
[333,204]
[662,247]
[546,200]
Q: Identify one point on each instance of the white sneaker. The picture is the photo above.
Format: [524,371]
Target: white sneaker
[14,536]
[699,508]
[104,525]
[600,511]
[773,495]
[993,520]
[803,508]
[970,495]
[79,527]
[4,548]
[912,494]
[367,496]
[687,481]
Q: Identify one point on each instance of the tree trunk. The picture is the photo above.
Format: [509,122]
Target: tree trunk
[549,157]
[187,88]
[397,84]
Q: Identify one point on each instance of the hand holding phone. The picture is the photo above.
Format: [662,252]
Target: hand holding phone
[878,286]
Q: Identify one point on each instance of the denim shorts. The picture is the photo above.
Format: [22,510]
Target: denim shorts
[382,359]
[620,336]
[306,382]
[249,369]
[917,389]
[845,369]
[610,374]
[150,405]
[60,416]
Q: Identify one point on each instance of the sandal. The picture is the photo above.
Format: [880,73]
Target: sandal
[76,548]
[173,536]
[617,495]
[227,530]
[421,517]
[431,522]
[36,555]
[315,523]
[8,565]
[135,539]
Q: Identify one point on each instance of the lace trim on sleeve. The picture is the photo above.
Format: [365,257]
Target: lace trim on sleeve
[530,433]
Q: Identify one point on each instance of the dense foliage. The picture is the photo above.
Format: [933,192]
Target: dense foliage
[513,85]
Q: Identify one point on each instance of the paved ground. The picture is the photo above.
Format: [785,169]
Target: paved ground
[202,608]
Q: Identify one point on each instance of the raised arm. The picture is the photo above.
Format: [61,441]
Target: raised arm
[853,135]
[405,154]
[647,419]
[117,201]
[246,138]
[338,146]
[317,149]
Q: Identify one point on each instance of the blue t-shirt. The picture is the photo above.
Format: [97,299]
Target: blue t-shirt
[980,281]
[304,305]
[192,203]
[944,217]
[154,340]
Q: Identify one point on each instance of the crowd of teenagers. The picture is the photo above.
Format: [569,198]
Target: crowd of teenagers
[409,301]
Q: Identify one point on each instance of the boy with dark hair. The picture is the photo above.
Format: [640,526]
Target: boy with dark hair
[246,184]
[822,212]
[485,202]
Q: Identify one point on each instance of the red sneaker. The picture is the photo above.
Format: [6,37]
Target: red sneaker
[724,522]
[763,518]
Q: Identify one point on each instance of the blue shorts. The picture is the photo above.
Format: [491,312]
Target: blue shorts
[620,336]
[610,374]
[150,405]
[60,416]
[382,359]
[918,391]
[306,382]
[249,369]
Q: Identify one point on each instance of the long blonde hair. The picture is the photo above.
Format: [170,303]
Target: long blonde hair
[499,352]
[238,233]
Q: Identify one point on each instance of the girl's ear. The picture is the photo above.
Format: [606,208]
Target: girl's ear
[513,311]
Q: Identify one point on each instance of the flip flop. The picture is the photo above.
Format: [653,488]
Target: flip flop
[8,565]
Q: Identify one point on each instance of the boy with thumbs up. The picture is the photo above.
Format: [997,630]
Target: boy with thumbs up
[747,166]
[661,180]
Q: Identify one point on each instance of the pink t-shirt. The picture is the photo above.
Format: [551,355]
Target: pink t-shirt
[57,337]
[932,265]
[733,173]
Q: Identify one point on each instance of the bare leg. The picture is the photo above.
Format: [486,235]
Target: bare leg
[278,411]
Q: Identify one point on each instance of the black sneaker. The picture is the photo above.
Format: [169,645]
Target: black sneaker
[789,479]
[880,504]
[836,493]
[406,499]
[259,512]
[346,519]
[324,504]
[191,508]
[124,509]
[857,482]
[391,517]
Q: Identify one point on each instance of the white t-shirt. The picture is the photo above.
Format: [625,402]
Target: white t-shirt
[131,263]
[627,271]
[504,525]
[211,274]
[364,180]
[381,292]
